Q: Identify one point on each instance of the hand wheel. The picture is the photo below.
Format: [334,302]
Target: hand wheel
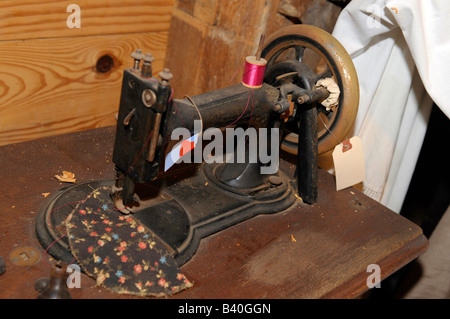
[304,54]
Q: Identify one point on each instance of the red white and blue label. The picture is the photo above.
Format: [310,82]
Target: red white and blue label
[179,150]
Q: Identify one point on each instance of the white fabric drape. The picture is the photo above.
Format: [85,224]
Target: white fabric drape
[401,51]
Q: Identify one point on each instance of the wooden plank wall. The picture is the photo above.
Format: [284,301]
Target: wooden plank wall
[209,39]
[48,81]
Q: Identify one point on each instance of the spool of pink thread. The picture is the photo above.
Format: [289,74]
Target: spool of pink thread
[254,72]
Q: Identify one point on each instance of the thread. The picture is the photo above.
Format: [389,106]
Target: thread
[253,76]
[59,228]
[250,95]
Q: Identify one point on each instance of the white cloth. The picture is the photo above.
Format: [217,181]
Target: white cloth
[401,51]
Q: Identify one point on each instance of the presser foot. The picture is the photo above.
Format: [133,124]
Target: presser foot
[116,196]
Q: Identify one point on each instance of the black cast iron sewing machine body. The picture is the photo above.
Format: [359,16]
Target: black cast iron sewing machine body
[191,201]
[234,191]
[148,115]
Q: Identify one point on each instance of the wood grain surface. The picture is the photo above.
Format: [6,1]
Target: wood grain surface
[51,86]
[36,19]
[48,81]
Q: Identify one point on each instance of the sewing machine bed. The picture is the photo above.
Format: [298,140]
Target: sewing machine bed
[307,251]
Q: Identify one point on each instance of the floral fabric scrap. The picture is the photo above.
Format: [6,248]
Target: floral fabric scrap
[122,254]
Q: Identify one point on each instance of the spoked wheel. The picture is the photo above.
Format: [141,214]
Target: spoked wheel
[304,54]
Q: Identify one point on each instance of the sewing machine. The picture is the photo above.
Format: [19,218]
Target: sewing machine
[182,203]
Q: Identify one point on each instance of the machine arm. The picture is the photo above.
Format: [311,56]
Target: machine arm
[148,115]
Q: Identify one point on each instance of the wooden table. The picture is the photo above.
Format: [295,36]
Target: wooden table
[317,251]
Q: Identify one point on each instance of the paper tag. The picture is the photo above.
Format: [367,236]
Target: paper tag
[348,159]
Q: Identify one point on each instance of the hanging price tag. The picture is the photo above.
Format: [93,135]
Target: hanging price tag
[348,158]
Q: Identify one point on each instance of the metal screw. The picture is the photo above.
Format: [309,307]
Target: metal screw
[148,57]
[148,97]
[165,75]
[303,99]
[137,56]
[147,65]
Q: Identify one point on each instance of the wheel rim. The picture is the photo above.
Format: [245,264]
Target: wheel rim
[302,44]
